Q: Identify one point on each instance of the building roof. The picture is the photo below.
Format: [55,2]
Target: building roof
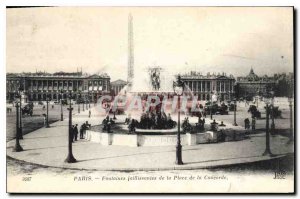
[104,75]
[118,82]
[197,75]
[59,74]
[252,76]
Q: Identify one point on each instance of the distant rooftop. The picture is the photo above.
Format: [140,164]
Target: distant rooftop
[57,74]
[252,77]
[118,82]
[195,74]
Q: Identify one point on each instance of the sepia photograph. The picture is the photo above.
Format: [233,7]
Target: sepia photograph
[150,99]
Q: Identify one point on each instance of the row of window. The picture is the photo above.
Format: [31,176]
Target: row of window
[206,86]
[56,82]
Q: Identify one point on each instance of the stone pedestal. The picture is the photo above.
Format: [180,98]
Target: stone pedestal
[191,139]
[106,139]
[207,137]
[125,140]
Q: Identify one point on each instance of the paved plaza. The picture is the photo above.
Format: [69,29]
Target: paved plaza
[49,147]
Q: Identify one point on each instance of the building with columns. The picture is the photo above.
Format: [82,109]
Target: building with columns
[204,86]
[117,86]
[37,86]
[253,85]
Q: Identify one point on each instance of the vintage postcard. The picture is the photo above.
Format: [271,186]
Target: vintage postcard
[150,100]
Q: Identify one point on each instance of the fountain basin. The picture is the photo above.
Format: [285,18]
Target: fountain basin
[138,140]
[162,137]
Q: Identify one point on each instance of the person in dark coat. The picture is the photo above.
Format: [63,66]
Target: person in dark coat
[75,130]
[86,127]
[82,127]
[253,123]
[247,123]
[222,124]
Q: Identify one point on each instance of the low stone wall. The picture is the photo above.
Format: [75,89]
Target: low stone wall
[160,140]
[124,139]
[231,134]
[207,137]
[137,140]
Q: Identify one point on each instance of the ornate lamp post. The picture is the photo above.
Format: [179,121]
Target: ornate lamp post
[272,113]
[234,104]
[86,104]
[47,115]
[78,100]
[70,158]
[17,147]
[61,109]
[178,90]
[211,105]
[89,94]
[268,150]
[83,103]
[290,99]
[19,95]
[234,113]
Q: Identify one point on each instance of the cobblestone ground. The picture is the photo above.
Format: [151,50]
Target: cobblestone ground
[36,121]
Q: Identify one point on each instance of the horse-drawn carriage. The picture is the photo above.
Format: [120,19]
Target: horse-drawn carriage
[27,109]
[254,112]
[231,106]
[216,109]
[275,111]
[196,113]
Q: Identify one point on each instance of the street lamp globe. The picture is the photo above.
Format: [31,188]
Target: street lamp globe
[267,100]
[178,87]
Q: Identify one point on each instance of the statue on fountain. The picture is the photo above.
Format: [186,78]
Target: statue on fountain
[155,78]
[156,120]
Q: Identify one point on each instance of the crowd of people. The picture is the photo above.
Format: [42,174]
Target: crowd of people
[156,120]
[151,120]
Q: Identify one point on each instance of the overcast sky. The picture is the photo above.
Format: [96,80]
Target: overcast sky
[177,39]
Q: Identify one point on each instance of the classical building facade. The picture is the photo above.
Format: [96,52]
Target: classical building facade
[117,86]
[253,85]
[204,86]
[56,86]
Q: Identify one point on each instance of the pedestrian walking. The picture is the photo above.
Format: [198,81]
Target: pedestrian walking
[90,113]
[75,130]
[82,127]
[253,123]
[247,123]
[86,127]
